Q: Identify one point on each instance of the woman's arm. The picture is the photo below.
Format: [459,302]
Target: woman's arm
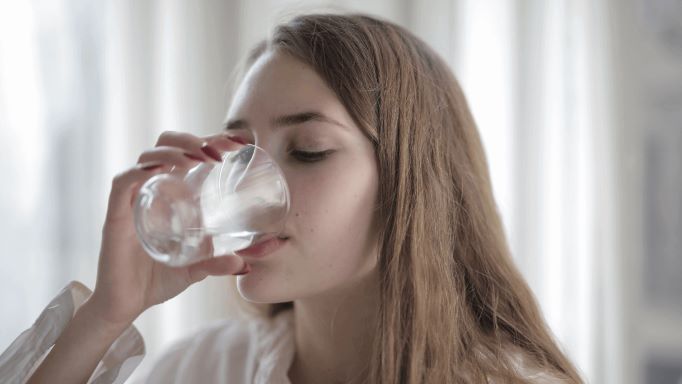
[128,280]
[80,347]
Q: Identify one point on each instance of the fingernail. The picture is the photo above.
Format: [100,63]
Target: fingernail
[237,140]
[193,157]
[245,270]
[211,152]
[149,167]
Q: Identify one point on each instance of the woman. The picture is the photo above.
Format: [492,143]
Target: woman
[393,267]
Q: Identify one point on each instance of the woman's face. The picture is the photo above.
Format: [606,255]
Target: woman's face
[285,107]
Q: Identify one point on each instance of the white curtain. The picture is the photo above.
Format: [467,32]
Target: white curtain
[85,87]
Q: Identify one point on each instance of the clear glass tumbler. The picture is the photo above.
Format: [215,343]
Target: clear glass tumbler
[213,209]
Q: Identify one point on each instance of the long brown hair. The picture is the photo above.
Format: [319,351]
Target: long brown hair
[452,302]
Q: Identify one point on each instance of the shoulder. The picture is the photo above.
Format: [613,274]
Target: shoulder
[224,348]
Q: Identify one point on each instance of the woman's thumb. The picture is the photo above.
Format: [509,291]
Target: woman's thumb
[217,266]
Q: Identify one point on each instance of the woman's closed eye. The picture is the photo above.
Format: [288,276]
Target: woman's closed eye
[309,156]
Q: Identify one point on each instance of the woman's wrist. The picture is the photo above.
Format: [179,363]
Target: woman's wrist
[80,347]
[91,312]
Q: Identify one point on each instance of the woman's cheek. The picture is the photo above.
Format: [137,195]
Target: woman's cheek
[333,200]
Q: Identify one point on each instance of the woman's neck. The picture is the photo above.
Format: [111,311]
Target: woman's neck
[334,333]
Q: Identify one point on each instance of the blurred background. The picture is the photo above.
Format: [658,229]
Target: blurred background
[579,103]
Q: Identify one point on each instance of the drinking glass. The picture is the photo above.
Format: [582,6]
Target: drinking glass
[213,209]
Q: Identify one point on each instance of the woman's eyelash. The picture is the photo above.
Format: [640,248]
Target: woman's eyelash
[309,157]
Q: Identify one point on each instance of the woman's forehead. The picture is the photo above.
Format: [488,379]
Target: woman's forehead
[279,84]
[278,72]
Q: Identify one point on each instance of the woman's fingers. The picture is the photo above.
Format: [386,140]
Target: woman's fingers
[209,147]
[173,150]
[190,143]
[223,142]
[217,266]
[124,187]
[173,155]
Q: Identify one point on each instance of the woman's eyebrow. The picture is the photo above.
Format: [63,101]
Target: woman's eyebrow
[296,118]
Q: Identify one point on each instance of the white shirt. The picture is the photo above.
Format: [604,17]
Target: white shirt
[229,351]
[257,351]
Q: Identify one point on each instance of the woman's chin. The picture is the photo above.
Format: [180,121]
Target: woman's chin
[259,290]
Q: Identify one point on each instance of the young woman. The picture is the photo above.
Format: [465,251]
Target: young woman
[393,267]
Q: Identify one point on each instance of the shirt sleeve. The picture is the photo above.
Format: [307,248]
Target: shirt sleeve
[28,350]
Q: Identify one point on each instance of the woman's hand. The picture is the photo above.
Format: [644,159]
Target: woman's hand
[128,280]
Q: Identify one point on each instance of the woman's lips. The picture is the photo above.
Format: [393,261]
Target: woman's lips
[263,248]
